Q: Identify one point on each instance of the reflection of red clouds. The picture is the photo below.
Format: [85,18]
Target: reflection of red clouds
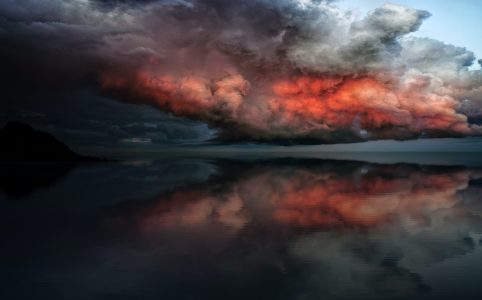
[193,208]
[310,198]
[337,201]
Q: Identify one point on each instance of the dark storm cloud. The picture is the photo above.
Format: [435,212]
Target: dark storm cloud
[49,63]
[257,70]
[83,119]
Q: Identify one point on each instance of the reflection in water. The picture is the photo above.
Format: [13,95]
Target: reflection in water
[309,194]
[259,229]
[18,180]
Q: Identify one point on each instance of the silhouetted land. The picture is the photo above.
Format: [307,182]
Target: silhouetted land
[21,142]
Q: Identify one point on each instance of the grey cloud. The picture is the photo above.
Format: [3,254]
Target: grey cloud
[83,119]
[445,66]
[392,21]
[352,46]
[216,61]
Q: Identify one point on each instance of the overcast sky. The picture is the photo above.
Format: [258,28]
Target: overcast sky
[115,75]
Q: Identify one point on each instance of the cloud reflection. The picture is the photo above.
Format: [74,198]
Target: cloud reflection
[246,229]
[310,194]
[346,229]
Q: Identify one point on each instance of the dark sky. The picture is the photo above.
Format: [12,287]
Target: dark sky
[82,118]
[116,74]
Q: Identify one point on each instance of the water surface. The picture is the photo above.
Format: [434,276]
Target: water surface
[252,228]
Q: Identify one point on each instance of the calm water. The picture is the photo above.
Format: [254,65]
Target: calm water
[240,229]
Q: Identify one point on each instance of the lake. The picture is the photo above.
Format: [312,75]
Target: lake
[242,228]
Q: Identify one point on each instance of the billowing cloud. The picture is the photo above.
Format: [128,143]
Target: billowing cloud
[255,70]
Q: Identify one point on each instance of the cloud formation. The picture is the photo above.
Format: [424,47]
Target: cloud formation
[256,70]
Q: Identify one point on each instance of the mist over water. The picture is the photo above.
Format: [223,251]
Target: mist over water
[242,228]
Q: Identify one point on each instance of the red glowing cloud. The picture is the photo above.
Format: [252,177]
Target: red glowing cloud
[316,106]
[326,79]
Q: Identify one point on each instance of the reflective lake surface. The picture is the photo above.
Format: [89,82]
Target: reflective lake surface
[253,228]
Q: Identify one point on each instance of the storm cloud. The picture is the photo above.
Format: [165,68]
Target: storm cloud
[252,70]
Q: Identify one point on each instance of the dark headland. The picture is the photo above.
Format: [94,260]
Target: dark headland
[21,142]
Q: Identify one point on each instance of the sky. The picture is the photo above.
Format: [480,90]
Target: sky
[454,22]
[123,74]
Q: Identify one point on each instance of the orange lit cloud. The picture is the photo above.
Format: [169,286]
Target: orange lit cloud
[316,107]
